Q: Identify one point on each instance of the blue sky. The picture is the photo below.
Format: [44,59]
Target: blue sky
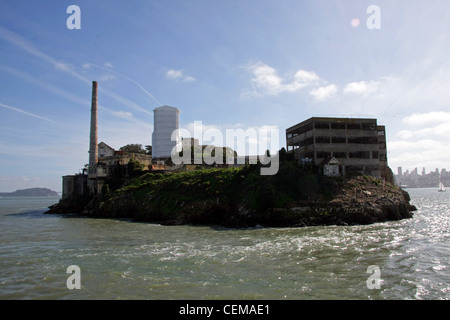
[230,64]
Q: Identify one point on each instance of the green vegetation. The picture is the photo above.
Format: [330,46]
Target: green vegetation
[214,193]
[297,195]
[135,148]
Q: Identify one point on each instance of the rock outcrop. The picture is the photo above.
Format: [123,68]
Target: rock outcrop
[242,198]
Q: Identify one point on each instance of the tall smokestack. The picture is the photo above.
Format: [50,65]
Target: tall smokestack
[93,145]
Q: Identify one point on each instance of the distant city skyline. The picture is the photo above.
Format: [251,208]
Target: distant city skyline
[416,169]
[421,178]
[230,64]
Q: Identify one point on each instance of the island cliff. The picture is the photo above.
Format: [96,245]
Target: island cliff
[241,197]
[30,192]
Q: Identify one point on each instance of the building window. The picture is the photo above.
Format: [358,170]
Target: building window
[354,126]
[338,125]
[322,125]
[338,140]
[369,126]
[322,154]
[322,139]
[359,155]
[354,168]
[363,140]
[340,155]
[306,142]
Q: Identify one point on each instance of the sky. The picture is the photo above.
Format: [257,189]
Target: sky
[235,64]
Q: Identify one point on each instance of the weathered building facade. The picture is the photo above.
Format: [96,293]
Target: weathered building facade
[74,185]
[358,144]
[111,163]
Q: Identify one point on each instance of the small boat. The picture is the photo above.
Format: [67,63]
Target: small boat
[441,186]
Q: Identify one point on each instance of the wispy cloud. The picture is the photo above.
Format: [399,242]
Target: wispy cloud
[107,67]
[19,41]
[124,115]
[25,112]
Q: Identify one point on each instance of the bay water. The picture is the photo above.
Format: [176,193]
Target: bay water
[121,259]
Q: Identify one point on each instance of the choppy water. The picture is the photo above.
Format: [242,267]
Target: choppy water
[126,260]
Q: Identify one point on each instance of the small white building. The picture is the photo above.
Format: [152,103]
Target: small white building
[331,167]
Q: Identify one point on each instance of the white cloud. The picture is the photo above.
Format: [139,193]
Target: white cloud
[179,75]
[423,143]
[306,77]
[323,93]
[174,74]
[361,87]
[188,79]
[430,118]
[266,81]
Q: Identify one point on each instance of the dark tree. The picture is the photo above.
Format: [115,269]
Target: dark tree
[133,148]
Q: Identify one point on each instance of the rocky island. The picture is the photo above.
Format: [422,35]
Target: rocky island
[30,192]
[241,197]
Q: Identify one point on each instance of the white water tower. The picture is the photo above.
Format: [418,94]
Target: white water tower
[166,120]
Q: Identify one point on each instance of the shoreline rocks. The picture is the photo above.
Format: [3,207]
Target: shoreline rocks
[240,199]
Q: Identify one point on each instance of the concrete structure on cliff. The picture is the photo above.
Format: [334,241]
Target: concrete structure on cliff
[355,144]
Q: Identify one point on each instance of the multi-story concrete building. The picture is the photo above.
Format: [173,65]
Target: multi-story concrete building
[359,145]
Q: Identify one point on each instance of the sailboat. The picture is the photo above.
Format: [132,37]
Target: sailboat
[441,185]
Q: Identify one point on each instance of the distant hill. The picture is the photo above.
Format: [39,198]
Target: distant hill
[31,192]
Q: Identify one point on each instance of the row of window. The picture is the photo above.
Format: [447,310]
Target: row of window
[366,169]
[356,140]
[350,155]
[365,126]
[343,125]
[337,140]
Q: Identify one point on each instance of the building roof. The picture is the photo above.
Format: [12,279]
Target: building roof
[105,145]
[330,160]
[315,119]
[166,108]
